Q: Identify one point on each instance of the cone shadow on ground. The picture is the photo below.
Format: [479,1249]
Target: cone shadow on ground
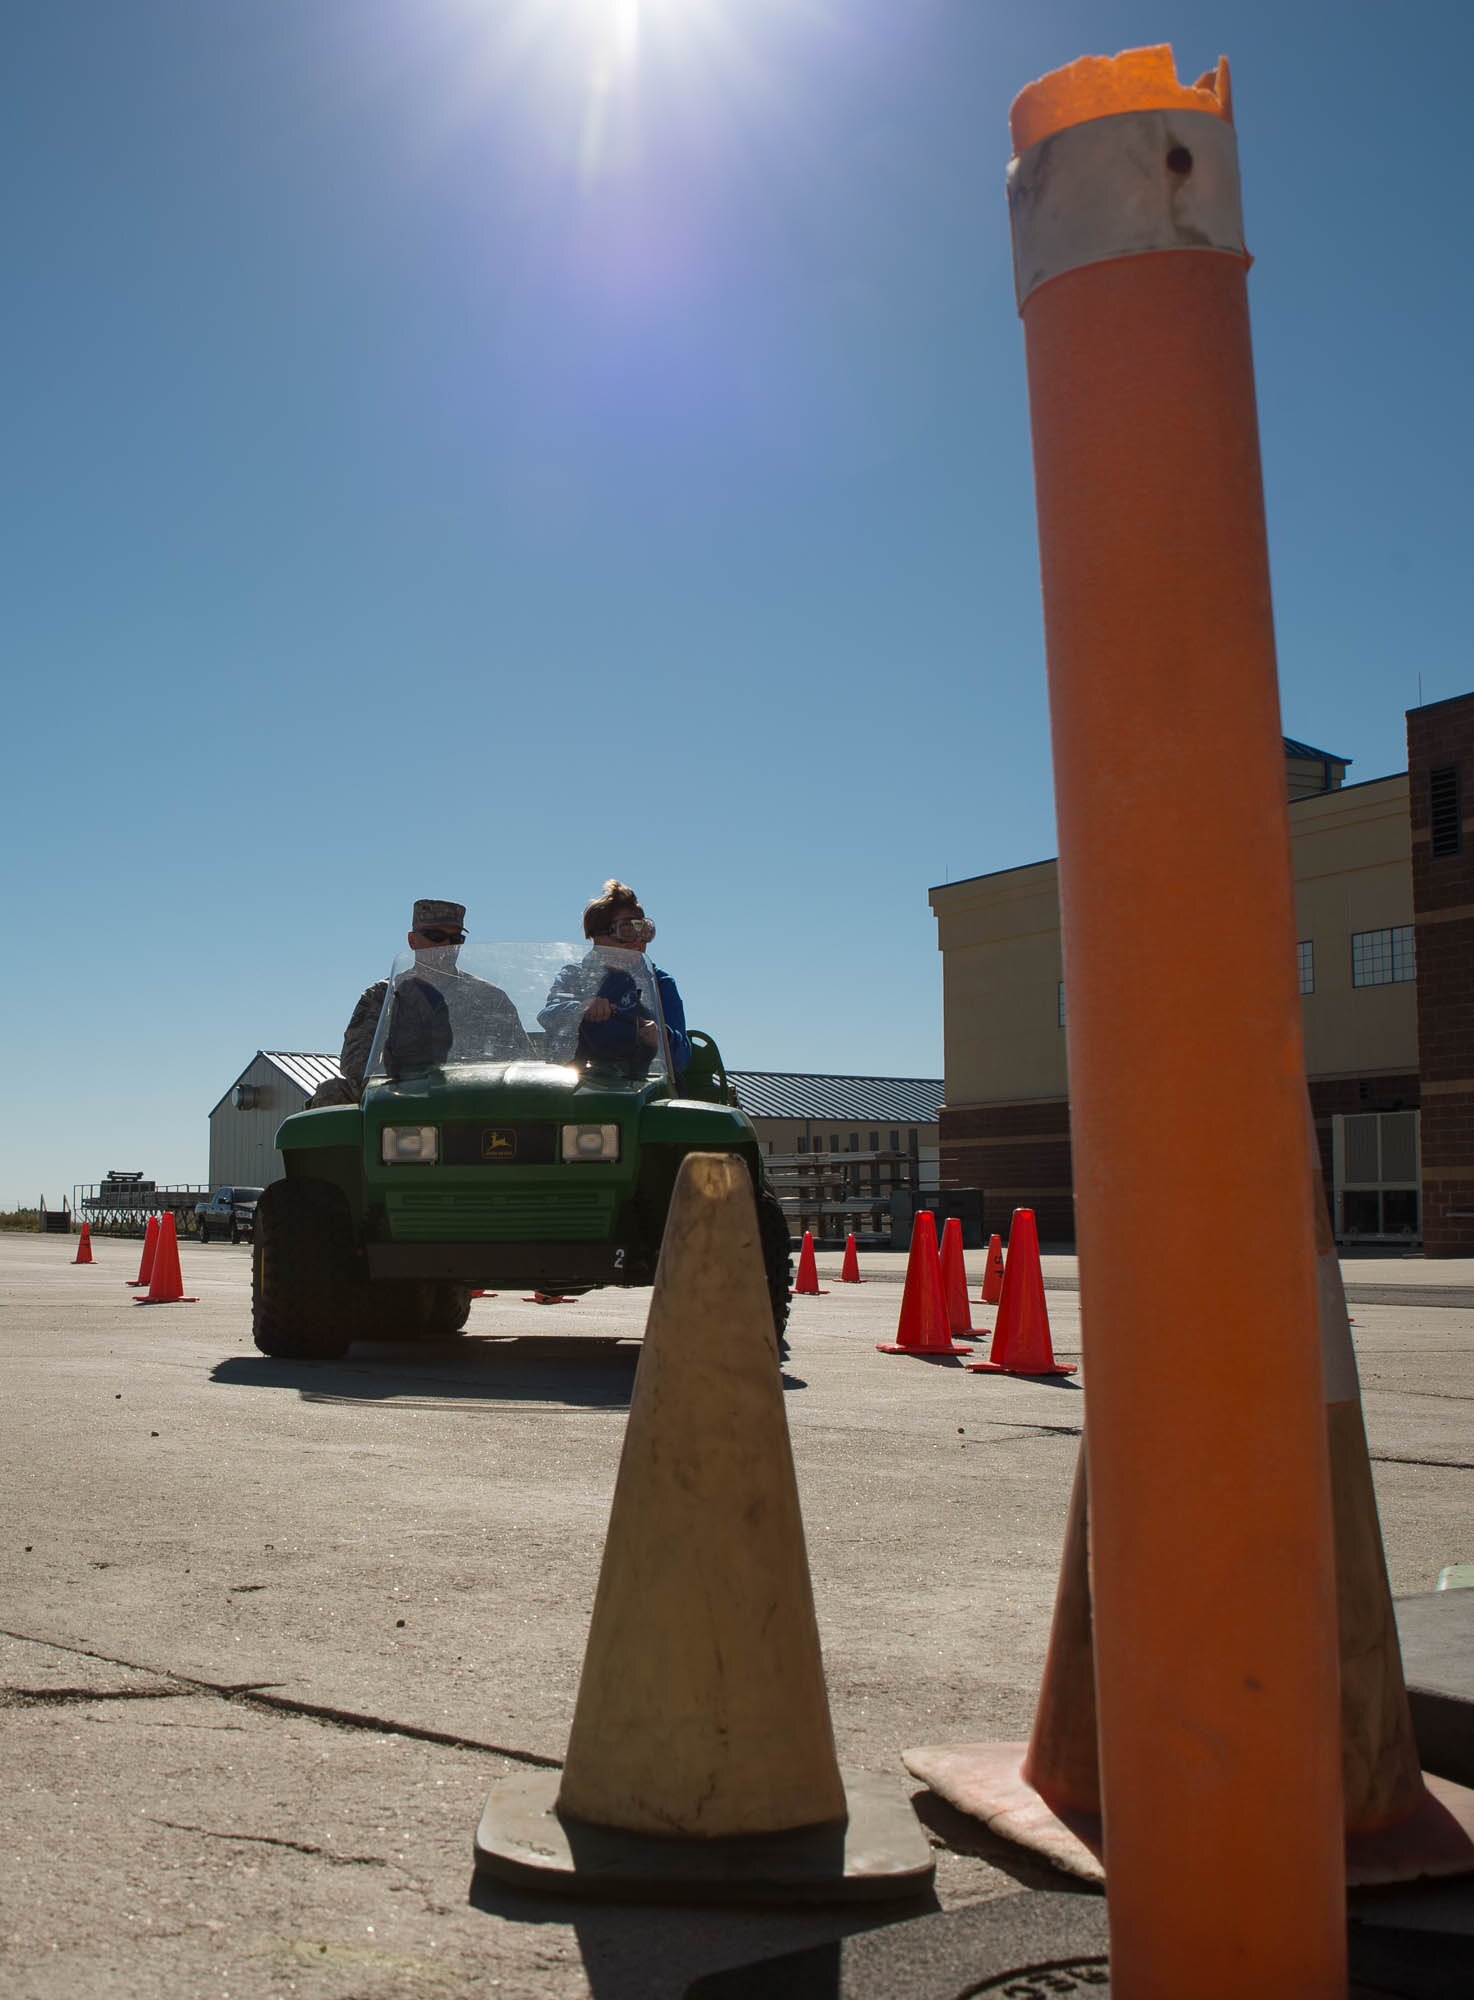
[615,1940]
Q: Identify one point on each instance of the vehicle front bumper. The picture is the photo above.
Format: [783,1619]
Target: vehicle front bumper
[545,1267]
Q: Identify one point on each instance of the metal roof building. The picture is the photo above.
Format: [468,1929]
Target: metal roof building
[273,1084]
[880,1100]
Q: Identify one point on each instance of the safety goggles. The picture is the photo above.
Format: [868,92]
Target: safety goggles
[438,936]
[633,930]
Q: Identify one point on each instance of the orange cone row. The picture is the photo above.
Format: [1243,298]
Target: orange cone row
[935,1309]
[158,1268]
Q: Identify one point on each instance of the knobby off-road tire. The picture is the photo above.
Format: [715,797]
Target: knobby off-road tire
[305,1289]
[777,1261]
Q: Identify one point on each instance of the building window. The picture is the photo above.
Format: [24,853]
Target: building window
[1382,958]
[834,1142]
[1445,818]
[1061,1003]
[803,1145]
[874,1142]
[895,1142]
[1305,957]
[854,1142]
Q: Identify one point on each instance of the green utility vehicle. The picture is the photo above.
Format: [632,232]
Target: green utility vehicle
[520,1127]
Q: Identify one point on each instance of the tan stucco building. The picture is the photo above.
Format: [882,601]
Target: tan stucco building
[1377,890]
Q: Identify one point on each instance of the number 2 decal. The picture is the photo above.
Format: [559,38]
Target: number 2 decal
[619,1260]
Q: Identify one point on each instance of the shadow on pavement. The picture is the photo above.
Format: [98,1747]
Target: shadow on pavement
[578,1372]
[655,1950]
[575,1371]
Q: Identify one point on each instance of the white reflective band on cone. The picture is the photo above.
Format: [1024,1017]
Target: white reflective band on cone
[1122,186]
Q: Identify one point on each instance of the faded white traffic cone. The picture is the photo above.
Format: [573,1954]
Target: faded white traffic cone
[701,1760]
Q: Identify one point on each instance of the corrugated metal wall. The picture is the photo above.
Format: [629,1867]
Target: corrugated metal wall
[241,1150]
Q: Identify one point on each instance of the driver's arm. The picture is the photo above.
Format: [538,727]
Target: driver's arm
[358,1036]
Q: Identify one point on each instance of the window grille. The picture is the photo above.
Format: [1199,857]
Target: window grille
[1305,959]
[1445,818]
[1383,958]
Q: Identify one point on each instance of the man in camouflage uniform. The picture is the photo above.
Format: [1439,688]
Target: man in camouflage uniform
[437,926]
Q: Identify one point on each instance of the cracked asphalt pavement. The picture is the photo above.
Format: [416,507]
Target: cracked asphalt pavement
[268,1630]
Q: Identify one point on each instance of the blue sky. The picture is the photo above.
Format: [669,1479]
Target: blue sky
[473,447]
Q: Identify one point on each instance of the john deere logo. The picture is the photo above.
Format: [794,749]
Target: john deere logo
[497,1143]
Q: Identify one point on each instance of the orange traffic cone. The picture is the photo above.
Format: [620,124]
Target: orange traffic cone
[992,1290]
[84,1245]
[1021,1344]
[165,1285]
[547,1298]
[150,1246]
[923,1327]
[954,1278]
[1401,1823]
[807,1281]
[849,1270]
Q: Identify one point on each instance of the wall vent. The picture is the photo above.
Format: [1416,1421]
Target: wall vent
[1446,820]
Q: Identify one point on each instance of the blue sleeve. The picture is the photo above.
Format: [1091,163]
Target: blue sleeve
[675,1022]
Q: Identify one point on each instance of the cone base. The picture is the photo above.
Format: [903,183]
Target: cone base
[901,1347]
[819,1292]
[882,1852]
[1002,1368]
[167,1302]
[985,1781]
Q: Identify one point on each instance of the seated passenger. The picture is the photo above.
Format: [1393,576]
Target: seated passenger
[437,1012]
[596,1012]
[435,927]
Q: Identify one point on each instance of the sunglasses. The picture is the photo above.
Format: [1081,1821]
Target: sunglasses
[444,937]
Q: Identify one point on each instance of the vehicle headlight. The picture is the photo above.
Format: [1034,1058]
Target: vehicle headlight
[406,1145]
[591,1142]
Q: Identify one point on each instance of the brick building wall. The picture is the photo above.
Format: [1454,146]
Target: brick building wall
[1440,748]
[1019,1155]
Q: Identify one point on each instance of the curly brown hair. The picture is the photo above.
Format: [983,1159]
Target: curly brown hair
[617,900]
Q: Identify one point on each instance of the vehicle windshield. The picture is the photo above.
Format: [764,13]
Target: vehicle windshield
[579,1006]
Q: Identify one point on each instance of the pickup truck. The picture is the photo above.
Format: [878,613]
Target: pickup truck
[230,1211]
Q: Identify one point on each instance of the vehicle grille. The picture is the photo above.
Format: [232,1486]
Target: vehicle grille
[500,1215]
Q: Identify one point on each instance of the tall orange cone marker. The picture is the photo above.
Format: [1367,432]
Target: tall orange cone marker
[84,1245]
[1400,1822]
[150,1246]
[992,1290]
[849,1270]
[954,1278]
[923,1327]
[701,1761]
[1021,1343]
[165,1285]
[1214,1618]
[807,1280]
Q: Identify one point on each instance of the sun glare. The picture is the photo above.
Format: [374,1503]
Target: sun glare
[592,68]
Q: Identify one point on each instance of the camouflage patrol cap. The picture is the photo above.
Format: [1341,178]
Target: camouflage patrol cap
[435,915]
